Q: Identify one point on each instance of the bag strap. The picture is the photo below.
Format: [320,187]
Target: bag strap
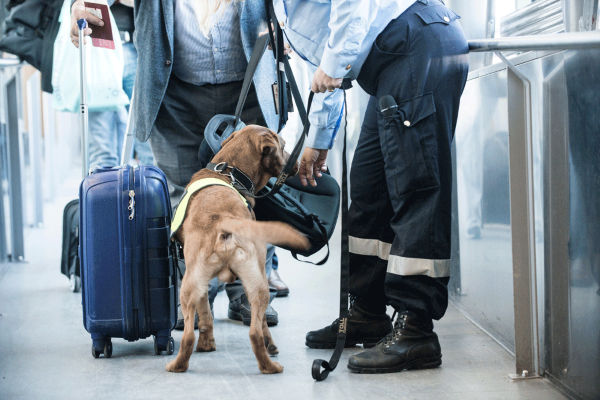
[259,49]
[283,66]
[319,223]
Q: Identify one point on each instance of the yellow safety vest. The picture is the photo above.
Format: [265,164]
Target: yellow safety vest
[193,188]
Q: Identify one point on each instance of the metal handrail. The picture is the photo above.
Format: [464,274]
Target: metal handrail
[560,41]
[10,62]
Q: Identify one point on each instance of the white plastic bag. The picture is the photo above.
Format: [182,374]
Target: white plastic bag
[104,70]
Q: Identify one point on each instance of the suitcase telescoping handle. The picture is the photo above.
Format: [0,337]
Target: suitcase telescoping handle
[82,24]
[128,145]
[128,140]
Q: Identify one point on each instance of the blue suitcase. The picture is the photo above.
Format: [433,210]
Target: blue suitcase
[127,261]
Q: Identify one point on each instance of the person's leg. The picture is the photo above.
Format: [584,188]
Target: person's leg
[143,152]
[179,131]
[239,308]
[103,150]
[275,280]
[175,139]
[141,149]
[369,238]
[426,80]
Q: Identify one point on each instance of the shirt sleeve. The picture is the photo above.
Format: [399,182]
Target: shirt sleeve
[349,23]
[325,117]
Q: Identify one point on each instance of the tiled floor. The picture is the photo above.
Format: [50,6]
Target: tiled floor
[45,351]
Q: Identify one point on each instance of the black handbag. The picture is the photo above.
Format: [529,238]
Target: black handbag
[29,32]
[313,211]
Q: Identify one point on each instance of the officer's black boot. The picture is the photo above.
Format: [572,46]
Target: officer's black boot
[411,345]
[362,327]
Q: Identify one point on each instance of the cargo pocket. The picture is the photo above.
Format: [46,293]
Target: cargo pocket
[409,146]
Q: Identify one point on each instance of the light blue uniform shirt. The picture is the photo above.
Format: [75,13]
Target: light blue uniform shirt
[336,35]
[218,58]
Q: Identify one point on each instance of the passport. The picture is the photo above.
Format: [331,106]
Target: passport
[101,35]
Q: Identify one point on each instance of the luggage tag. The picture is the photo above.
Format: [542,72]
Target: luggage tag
[101,35]
[276,97]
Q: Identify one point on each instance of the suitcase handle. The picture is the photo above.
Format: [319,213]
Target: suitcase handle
[128,140]
[82,24]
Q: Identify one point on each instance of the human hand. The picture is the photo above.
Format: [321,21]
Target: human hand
[313,162]
[323,82]
[286,47]
[77,12]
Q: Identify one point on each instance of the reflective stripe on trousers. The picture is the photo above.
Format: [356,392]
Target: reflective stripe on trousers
[398,265]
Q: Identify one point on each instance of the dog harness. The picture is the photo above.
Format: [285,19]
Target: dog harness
[189,191]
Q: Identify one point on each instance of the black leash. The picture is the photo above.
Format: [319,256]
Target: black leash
[322,368]
[327,366]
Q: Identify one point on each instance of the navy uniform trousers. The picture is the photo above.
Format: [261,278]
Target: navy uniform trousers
[401,176]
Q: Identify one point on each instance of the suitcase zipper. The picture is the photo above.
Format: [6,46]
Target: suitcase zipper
[131,204]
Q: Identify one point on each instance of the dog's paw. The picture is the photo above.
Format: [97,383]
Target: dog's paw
[272,349]
[272,368]
[174,366]
[206,345]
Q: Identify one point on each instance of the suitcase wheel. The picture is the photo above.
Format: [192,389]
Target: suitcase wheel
[102,347]
[171,346]
[95,352]
[108,349]
[159,345]
[74,282]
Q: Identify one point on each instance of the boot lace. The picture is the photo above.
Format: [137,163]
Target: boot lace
[396,333]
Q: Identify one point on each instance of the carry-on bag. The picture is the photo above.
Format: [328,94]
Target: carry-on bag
[127,260]
[313,211]
[108,79]
[69,264]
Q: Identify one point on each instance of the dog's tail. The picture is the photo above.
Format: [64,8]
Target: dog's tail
[276,233]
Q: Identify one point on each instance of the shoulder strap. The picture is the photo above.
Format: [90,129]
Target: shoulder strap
[257,53]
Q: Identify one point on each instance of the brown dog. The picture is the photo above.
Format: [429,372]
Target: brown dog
[221,238]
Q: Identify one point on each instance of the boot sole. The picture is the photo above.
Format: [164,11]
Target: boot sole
[367,344]
[236,316]
[425,363]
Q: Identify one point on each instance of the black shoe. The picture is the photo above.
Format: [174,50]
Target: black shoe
[239,310]
[180,322]
[362,327]
[411,345]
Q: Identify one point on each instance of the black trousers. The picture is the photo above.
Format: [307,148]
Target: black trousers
[401,176]
[179,128]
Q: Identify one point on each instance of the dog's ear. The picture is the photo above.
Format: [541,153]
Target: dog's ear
[270,149]
[268,143]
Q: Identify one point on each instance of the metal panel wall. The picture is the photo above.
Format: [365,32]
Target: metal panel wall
[483,286]
[573,163]
[565,219]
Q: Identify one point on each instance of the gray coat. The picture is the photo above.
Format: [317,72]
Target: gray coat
[153,39]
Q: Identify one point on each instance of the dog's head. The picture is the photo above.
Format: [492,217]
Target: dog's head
[260,149]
